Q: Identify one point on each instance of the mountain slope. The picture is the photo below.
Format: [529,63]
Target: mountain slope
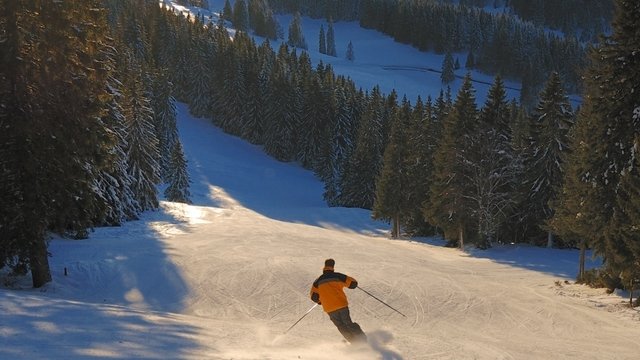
[225,277]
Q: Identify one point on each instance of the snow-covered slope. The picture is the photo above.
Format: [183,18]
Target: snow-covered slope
[225,277]
[379,60]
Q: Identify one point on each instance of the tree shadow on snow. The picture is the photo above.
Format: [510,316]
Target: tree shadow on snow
[557,262]
[38,327]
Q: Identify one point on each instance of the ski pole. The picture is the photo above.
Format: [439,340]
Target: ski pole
[389,306]
[305,314]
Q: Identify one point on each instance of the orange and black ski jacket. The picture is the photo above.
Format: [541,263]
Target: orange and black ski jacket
[328,291]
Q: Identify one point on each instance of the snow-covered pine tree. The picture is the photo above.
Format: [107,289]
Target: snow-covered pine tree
[199,76]
[164,116]
[53,95]
[363,166]
[618,105]
[178,176]
[449,207]
[341,142]
[114,184]
[551,123]
[282,112]
[180,61]
[314,122]
[221,65]
[581,212]
[600,202]
[322,163]
[392,202]
[142,143]
[253,127]
[233,97]
[494,167]
[134,36]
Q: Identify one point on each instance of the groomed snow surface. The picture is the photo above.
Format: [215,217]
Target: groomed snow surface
[225,277]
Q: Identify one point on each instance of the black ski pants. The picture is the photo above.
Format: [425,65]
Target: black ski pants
[350,330]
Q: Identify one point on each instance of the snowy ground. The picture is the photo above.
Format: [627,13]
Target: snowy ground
[225,277]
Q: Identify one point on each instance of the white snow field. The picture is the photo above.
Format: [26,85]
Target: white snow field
[224,278]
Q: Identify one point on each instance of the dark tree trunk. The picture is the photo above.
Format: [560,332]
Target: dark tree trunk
[40,272]
[395,233]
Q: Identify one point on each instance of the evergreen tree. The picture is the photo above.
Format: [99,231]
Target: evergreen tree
[551,123]
[331,40]
[494,166]
[447,75]
[282,115]
[449,207]
[470,62]
[178,176]
[350,54]
[261,19]
[322,166]
[164,113]
[142,142]
[314,123]
[617,104]
[358,182]
[392,197]
[322,42]
[296,37]
[580,211]
[252,128]
[240,15]
[199,78]
[231,105]
[227,11]
[420,166]
[114,184]
[603,185]
[341,144]
[53,142]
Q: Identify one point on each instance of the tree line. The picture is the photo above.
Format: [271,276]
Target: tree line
[498,43]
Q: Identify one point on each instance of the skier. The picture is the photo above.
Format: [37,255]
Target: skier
[328,291]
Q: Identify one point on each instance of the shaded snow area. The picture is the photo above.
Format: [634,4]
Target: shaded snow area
[225,277]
